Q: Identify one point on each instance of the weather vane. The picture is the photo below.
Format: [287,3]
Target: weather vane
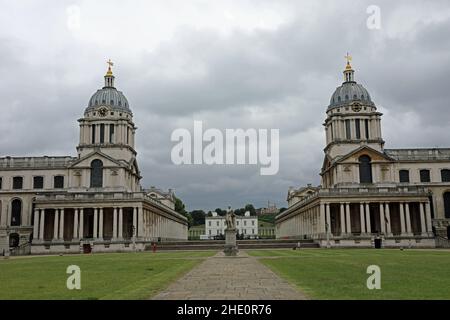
[348,57]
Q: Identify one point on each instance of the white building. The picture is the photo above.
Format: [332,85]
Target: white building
[92,201]
[246,225]
[401,196]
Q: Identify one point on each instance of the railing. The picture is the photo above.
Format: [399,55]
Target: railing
[23,249]
[442,242]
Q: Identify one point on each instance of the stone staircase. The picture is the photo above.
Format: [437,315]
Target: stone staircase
[242,244]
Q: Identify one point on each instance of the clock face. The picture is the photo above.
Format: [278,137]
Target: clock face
[103,111]
[356,107]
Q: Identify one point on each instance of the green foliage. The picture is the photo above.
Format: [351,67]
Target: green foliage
[198,217]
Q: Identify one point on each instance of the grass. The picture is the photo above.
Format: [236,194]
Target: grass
[341,274]
[103,276]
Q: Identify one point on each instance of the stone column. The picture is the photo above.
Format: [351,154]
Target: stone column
[55,225]
[322,230]
[368,225]
[115,223]
[81,228]
[428,217]
[388,220]
[135,227]
[75,224]
[120,236]
[342,219]
[402,219]
[327,210]
[61,224]
[95,235]
[361,218]
[382,222]
[100,227]
[408,219]
[423,228]
[347,214]
[41,225]
[36,224]
[140,229]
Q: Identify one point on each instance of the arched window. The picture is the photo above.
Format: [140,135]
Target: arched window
[96,174]
[16,212]
[445,175]
[447,205]
[365,169]
[404,176]
[425,175]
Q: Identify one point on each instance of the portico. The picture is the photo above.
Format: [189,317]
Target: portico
[355,216]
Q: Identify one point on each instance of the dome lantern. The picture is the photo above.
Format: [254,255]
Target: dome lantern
[109,77]
[348,72]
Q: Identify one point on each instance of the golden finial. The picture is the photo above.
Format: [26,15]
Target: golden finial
[110,64]
[349,58]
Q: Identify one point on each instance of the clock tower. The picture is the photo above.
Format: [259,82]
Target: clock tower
[107,125]
[352,118]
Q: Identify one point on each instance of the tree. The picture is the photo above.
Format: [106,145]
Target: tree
[179,206]
[220,212]
[282,210]
[251,208]
[181,209]
[198,217]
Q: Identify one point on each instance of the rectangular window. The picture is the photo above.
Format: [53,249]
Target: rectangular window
[245,223]
[253,222]
[128,135]
[425,175]
[209,223]
[93,133]
[38,182]
[445,175]
[111,133]
[358,129]
[331,131]
[404,176]
[17,183]
[367,128]
[1,183]
[217,223]
[58,182]
[102,133]
[348,134]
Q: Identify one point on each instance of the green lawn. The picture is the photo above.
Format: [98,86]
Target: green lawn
[341,274]
[103,276]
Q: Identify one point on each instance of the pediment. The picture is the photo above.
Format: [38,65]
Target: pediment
[86,160]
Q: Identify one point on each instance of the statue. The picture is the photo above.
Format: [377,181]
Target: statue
[230,219]
[231,248]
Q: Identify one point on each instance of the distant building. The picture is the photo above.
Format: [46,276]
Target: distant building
[246,225]
[271,209]
[195,232]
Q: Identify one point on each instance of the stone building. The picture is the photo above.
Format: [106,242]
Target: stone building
[93,201]
[367,192]
[246,225]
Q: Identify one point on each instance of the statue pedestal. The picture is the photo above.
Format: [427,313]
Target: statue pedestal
[230,243]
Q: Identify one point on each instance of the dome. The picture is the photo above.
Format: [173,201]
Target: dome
[349,92]
[110,97]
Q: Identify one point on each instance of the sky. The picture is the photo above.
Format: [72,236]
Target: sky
[230,64]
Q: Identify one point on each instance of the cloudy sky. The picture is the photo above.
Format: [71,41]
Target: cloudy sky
[231,64]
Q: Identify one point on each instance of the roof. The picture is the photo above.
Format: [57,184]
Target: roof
[419,154]
[54,162]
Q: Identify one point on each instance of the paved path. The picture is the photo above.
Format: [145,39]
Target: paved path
[225,278]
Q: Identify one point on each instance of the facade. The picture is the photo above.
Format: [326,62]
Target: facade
[367,192]
[246,225]
[93,201]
